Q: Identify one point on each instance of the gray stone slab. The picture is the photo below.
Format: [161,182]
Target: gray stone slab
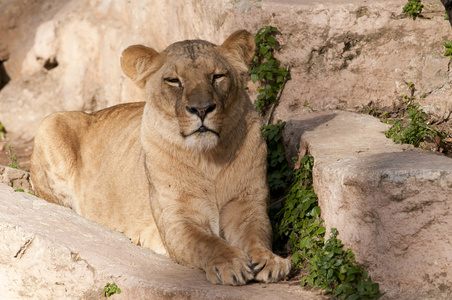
[392,206]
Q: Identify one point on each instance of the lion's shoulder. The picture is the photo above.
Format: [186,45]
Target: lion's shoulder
[117,111]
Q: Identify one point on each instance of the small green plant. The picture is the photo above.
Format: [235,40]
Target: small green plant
[266,69]
[448,52]
[299,217]
[412,128]
[12,156]
[413,8]
[23,191]
[110,289]
[278,172]
[335,270]
[2,132]
[330,267]
[414,131]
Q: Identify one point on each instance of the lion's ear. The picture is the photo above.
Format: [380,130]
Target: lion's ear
[241,43]
[138,62]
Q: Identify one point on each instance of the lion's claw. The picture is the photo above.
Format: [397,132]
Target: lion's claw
[232,269]
[269,267]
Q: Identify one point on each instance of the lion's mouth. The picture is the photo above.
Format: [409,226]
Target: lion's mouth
[201,129]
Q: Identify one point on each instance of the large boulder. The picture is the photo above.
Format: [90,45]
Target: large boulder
[392,206]
[64,55]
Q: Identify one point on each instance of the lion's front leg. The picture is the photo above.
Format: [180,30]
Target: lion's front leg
[245,224]
[190,240]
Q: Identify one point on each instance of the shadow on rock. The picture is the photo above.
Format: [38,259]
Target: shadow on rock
[295,128]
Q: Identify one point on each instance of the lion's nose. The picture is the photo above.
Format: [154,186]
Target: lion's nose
[201,112]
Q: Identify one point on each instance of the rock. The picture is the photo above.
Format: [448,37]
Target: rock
[64,55]
[47,251]
[392,207]
[17,179]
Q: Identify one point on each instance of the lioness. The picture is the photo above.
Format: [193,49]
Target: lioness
[183,173]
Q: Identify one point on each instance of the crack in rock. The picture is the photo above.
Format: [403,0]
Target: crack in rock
[24,248]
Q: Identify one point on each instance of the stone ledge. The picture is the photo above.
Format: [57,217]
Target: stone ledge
[49,252]
[391,206]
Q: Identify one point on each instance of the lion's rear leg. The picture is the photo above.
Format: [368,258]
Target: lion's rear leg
[54,158]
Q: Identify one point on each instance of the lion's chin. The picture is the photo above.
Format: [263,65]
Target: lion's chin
[202,141]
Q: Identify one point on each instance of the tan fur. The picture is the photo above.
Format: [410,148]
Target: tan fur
[144,169]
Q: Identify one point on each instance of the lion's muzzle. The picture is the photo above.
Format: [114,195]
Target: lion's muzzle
[201,112]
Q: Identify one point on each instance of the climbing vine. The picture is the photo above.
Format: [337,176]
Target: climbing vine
[266,70]
[278,170]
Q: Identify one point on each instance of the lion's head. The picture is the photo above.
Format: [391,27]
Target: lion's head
[194,86]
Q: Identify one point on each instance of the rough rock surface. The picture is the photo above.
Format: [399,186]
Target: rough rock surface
[49,252]
[392,207]
[64,54]
[17,179]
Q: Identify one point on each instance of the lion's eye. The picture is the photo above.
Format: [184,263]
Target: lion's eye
[173,81]
[218,77]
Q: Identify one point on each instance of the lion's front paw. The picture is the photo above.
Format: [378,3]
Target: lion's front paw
[230,268]
[269,267]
